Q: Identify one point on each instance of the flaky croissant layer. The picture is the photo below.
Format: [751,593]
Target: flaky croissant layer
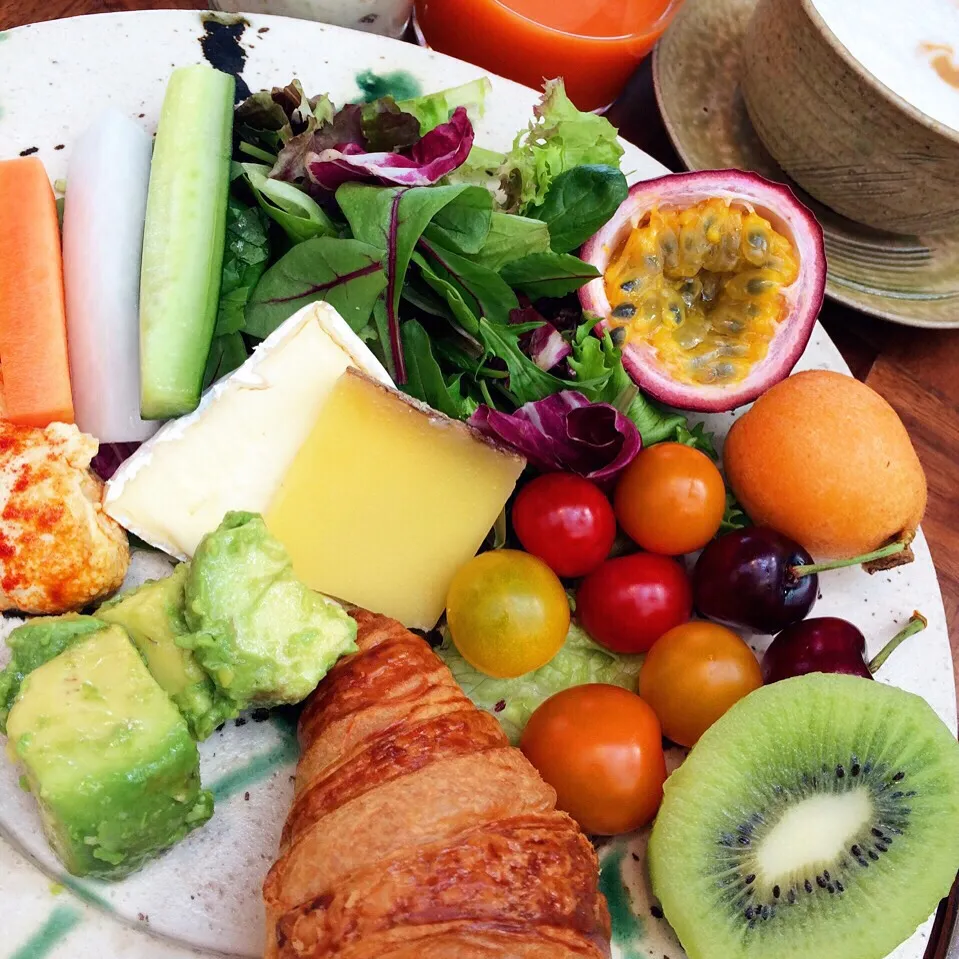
[417,832]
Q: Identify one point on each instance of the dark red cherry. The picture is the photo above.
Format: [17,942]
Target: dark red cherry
[758,579]
[745,579]
[827,644]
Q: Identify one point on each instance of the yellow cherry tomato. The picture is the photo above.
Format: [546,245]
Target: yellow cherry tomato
[507,613]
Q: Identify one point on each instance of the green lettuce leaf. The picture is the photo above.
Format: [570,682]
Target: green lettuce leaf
[597,364]
[482,168]
[559,139]
[734,517]
[513,701]
[435,108]
[297,213]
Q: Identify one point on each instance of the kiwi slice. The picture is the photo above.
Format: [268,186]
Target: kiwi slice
[818,818]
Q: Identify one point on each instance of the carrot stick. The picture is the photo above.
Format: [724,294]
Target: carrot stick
[33,335]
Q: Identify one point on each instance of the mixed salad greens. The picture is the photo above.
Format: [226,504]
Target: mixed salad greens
[513,701]
[454,263]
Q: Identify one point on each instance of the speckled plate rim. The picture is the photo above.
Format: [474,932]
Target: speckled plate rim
[879,303]
[46,915]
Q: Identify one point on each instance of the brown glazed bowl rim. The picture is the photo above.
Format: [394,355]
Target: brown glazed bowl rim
[890,95]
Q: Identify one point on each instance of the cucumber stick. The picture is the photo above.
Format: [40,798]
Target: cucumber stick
[184,238]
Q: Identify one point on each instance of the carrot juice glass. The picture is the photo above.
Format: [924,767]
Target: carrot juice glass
[593,44]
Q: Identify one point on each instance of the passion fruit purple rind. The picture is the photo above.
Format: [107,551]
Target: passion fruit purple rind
[712,282]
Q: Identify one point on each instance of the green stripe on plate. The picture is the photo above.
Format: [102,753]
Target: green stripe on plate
[257,769]
[83,892]
[628,929]
[60,923]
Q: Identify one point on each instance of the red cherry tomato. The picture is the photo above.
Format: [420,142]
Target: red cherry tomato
[600,747]
[566,521]
[629,602]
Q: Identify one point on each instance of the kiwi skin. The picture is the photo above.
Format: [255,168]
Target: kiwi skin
[842,737]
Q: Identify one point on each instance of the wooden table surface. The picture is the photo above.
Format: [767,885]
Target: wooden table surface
[916,370]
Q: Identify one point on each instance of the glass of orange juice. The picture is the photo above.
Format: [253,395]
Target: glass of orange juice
[595,45]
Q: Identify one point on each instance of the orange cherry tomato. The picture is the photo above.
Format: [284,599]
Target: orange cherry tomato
[670,499]
[693,674]
[600,747]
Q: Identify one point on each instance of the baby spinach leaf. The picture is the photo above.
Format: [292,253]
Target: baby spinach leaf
[426,381]
[453,295]
[300,216]
[227,353]
[348,274]
[423,298]
[484,291]
[247,250]
[548,274]
[579,202]
[393,219]
[511,238]
[464,224]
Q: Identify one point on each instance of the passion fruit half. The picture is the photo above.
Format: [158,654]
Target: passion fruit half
[712,282]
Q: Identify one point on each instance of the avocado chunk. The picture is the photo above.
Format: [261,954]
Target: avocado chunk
[153,616]
[34,643]
[263,636]
[108,757]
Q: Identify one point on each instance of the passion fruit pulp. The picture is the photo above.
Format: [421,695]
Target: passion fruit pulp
[711,284]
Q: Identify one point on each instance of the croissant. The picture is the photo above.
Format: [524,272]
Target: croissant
[417,832]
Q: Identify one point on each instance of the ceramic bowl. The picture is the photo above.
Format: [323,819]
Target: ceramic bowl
[846,138]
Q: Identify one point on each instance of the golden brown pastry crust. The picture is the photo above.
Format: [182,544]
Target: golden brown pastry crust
[417,831]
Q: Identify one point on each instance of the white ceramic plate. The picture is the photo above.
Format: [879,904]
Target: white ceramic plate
[204,897]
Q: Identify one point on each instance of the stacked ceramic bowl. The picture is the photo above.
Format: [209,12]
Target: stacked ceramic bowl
[859,103]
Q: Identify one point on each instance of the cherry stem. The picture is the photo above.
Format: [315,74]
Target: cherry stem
[916,624]
[881,553]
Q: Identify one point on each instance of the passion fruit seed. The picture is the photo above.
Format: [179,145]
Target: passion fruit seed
[703,286]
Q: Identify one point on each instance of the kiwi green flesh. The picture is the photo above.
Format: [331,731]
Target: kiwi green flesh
[818,818]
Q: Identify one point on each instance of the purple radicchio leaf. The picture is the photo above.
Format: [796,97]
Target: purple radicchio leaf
[438,153]
[544,345]
[110,457]
[565,432]
[346,127]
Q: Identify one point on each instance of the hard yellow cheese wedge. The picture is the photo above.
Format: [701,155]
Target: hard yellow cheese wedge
[386,500]
[233,451]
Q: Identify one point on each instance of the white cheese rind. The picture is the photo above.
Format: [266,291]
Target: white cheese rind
[232,452]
